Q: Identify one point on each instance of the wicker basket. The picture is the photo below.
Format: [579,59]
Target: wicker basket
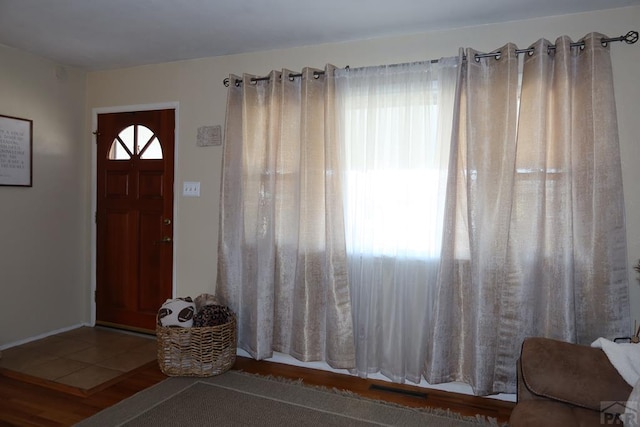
[198,351]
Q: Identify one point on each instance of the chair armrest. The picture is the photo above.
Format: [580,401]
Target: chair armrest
[570,373]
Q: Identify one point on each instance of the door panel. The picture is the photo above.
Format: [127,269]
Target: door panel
[117,256]
[151,235]
[134,217]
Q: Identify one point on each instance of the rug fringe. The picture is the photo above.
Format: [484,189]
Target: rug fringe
[445,412]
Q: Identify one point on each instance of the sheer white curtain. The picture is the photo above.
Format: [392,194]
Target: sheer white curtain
[535,241]
[395,125]
[281,252]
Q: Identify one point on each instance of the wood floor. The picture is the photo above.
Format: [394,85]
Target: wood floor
[24,404]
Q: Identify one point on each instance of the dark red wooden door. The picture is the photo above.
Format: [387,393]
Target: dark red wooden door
[134,265]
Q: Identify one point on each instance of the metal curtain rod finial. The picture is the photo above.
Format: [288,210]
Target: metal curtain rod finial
[630,38]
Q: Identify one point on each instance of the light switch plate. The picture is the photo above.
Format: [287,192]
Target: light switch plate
[191,189]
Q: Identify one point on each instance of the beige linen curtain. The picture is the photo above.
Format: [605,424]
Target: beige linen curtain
[535,241]
[282,263]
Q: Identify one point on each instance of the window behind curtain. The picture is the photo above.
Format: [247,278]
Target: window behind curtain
[396,143]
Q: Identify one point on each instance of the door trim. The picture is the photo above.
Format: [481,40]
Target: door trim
[94,176]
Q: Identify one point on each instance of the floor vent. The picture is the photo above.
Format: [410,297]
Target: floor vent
[398,391]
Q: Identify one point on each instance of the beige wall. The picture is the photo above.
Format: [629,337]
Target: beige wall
[197,86]
[43,231]
[46,230]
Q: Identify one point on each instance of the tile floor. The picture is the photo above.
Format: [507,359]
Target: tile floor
[83,358]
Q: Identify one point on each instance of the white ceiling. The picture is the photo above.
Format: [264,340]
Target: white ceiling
[105,34]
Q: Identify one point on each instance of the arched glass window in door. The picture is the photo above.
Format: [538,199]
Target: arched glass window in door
[135,141]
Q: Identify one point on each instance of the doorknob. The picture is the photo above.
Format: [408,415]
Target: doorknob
[165,239]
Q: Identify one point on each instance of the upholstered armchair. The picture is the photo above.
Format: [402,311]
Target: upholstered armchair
[564,384]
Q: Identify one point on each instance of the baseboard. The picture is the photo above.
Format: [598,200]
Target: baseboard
[40,336]
[452,387]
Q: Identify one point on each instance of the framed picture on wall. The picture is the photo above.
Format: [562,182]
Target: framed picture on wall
[16,144]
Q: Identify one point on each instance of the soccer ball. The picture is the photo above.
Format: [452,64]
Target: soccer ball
[177,312]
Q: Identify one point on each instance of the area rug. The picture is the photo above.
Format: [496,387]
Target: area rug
[242,399]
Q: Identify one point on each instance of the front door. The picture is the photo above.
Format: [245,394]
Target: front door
[134,218]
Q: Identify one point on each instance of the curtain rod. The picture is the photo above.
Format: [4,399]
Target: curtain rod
[630,38]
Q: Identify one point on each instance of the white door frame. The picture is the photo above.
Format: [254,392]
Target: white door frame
[94,194]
